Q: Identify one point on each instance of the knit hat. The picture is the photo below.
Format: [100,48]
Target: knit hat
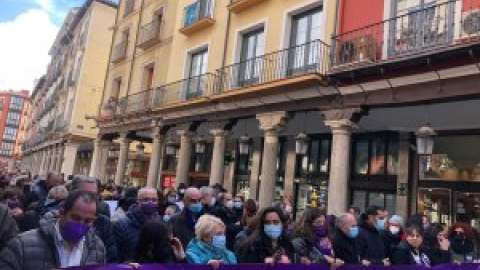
[397,218]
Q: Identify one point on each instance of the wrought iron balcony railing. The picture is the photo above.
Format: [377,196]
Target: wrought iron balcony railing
[197,11]
[150,34]
[137,102]
[423,30]
[311,57]
[120,51]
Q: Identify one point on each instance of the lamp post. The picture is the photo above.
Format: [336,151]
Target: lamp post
[244,145]
[170,149]
[425,140]
[140,149]
[301,144]
[200,145]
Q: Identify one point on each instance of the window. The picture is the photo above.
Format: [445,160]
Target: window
[252,48]
[306,28]
[116,87]
[16,103]
[6,149]
[316,162]
[10,134]
[375,155]
[197,79]
[197,11]
[13,118]
[129,6]
[362,199]
[201,161]
[148,73]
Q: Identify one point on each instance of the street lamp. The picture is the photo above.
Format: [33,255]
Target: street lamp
[140,149]
[170,149]
[425,140]
[244,145]
[200,145]
[301,143]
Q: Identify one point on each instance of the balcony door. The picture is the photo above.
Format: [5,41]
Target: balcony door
[307,29]
[197,79]
[251,63]
[421,24]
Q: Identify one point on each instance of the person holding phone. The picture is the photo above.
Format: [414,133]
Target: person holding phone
[157,244]
[437,245]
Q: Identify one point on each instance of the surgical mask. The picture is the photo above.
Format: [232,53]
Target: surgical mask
[273,231]
[148,208]
[196,208]
[166,218]
[49,201]
[181,191]
[394,230]
[320,231]
[237,205]
[12,204]
[380,225]
[213,201]
[73,231]
[219,241]
[353,232]
[172,199]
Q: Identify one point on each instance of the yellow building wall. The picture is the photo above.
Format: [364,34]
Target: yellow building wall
[94,66]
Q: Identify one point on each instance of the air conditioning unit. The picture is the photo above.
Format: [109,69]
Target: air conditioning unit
[470,25]
[357,50]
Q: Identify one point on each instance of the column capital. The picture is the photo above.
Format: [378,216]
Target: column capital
[272,122]
[219,132]
[124,139]
[351,114]
[185,133]
[341,126]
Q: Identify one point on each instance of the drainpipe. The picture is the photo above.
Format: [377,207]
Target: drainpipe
[135,47]
[225,47]
[108,63]
[335,26]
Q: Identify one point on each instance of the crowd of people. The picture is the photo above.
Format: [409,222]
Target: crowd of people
[52,222]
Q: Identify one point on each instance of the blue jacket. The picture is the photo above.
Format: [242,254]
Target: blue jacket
[199,252]
[127,232]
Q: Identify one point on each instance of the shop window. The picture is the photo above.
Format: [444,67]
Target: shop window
[363,198]
[201,162]
[375,155]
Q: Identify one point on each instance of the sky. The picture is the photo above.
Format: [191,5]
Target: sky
[27,30]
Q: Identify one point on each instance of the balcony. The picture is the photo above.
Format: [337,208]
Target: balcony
[240,5]
[150,34]
[136,103]
[184,90]
[197,16]
[120,52]
[303,64]
[428,31]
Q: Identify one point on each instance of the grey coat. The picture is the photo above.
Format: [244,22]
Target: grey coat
[36,250]
[8,226]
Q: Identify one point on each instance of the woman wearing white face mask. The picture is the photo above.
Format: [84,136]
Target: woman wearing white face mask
[268,243]
[393,235]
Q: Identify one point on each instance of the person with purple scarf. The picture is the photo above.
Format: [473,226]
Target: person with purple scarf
[312,240]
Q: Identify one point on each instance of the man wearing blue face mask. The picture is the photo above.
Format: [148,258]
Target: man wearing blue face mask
[59,243]
[183,224]
[371,246]
[345,239]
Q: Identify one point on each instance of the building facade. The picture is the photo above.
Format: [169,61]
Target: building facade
[15,108]
[61,129]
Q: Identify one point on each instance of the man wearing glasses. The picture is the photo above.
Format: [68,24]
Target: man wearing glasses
[127,230]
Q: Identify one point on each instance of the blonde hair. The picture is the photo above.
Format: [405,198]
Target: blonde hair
[205,225]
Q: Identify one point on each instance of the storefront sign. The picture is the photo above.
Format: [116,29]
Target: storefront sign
[169,182]
[471,266]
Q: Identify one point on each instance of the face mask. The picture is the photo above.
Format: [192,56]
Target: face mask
[213,201]
[353,232]
[196,207]
[237,205]
[219,241]
[394,230]
[380,225]
[172,199]
[181,191]
[12,204]
[166,218]
[73,231]
[320,231]
[49,201]
[229,204]
[148,208]
[273,231]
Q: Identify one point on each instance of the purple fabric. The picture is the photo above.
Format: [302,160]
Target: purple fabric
[467,266]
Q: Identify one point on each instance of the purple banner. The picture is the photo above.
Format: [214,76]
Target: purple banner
[470,266]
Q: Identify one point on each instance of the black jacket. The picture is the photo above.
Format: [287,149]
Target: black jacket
[8,226]
[183,226]
[259,250]
[403,255]
[391,242]
[345,248]
[370,244]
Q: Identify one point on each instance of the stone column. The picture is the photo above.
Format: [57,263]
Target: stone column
[255,171]
[122,159]
[102,168]
[341,123]
[69,157]
[218,163]
[48,154]
[402,174]
[271,124]
[155,158]
[96,156]
[55,157]
[59,163]
[290,168]
[185,156]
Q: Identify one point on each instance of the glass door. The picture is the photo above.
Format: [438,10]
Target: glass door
[435,203]
[422,24]
[197,80]
[467,208]
[251,63]
[307,29]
